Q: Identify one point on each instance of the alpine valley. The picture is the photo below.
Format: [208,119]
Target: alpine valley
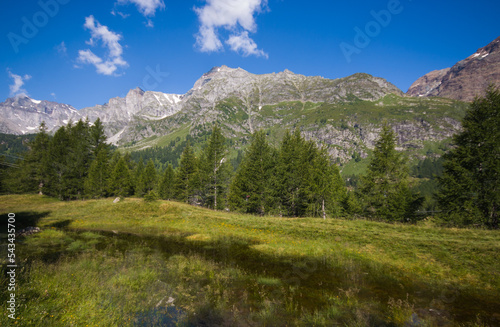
[344,114]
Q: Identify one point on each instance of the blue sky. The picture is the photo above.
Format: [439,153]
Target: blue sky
[85,52]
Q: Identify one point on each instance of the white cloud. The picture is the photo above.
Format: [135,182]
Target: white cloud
[146,7]
[119,13]
[244,44]
[207,39]
[110,40]
[236,16]
[61,49]
[16,88]
[53,95]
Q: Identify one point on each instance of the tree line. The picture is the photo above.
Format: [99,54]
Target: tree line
[296,179]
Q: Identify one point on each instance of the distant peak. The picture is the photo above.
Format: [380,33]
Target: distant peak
[286,72]
[137,90]
[21,96]
[218,69]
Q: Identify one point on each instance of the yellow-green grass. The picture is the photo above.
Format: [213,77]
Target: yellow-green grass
[236,269]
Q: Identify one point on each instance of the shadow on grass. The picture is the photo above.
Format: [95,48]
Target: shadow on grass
[63,224]
[22,220]
[316,279]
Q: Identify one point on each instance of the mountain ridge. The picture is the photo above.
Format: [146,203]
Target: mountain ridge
[120,114]
[466,79]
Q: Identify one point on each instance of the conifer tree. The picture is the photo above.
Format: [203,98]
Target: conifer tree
[58,169]
[166,188]
[351,205]
[97,137]
[130,163]
[250,190]
[469,189]
[96,183]
[149,177]
[138,180]
[120,183]
[326,187]
[214,170]
[78,159]
[114,160]
[292,173]
[35,167]
[187,179]
[385,190]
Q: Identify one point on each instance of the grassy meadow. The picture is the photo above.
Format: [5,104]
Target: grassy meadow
[161,263]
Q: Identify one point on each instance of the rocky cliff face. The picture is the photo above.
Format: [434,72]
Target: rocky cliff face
[466,79]
[23,115]
[223,82]
[120,113]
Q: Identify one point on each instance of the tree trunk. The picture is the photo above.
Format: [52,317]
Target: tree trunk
[323,208]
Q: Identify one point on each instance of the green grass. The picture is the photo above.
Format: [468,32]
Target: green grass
[100,263]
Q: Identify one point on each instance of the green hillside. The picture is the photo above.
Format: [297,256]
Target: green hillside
[424,126]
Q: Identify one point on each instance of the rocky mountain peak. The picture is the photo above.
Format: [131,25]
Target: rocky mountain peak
[212,73]
[464,81]
[135,92]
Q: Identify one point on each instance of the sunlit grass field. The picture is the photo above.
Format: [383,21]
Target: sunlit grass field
[161,263]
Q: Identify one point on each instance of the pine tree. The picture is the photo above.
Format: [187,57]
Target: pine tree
[326,187]
[35,167]
[97,137]
[250,190]
[120,183]
[469,189]
[214,170]
[96,183]
[187,179]
[78,157]
[351,205]
[166,188]
[149,177]
[58,146]
[385,190]
[138,180]
[292,173]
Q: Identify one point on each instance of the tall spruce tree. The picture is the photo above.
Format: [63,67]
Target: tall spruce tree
[250,190]
[58,169]
[385,189]
[96,183]
[292,174]
[138,180]
[35,168]
[97,137]
[120,183]
[214,170]
[187,179]
[166,187]
[469,189]
[326,187]
[149,177]
[78,159]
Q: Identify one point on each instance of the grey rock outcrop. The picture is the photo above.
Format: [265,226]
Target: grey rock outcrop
[121,113]
[28,231]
